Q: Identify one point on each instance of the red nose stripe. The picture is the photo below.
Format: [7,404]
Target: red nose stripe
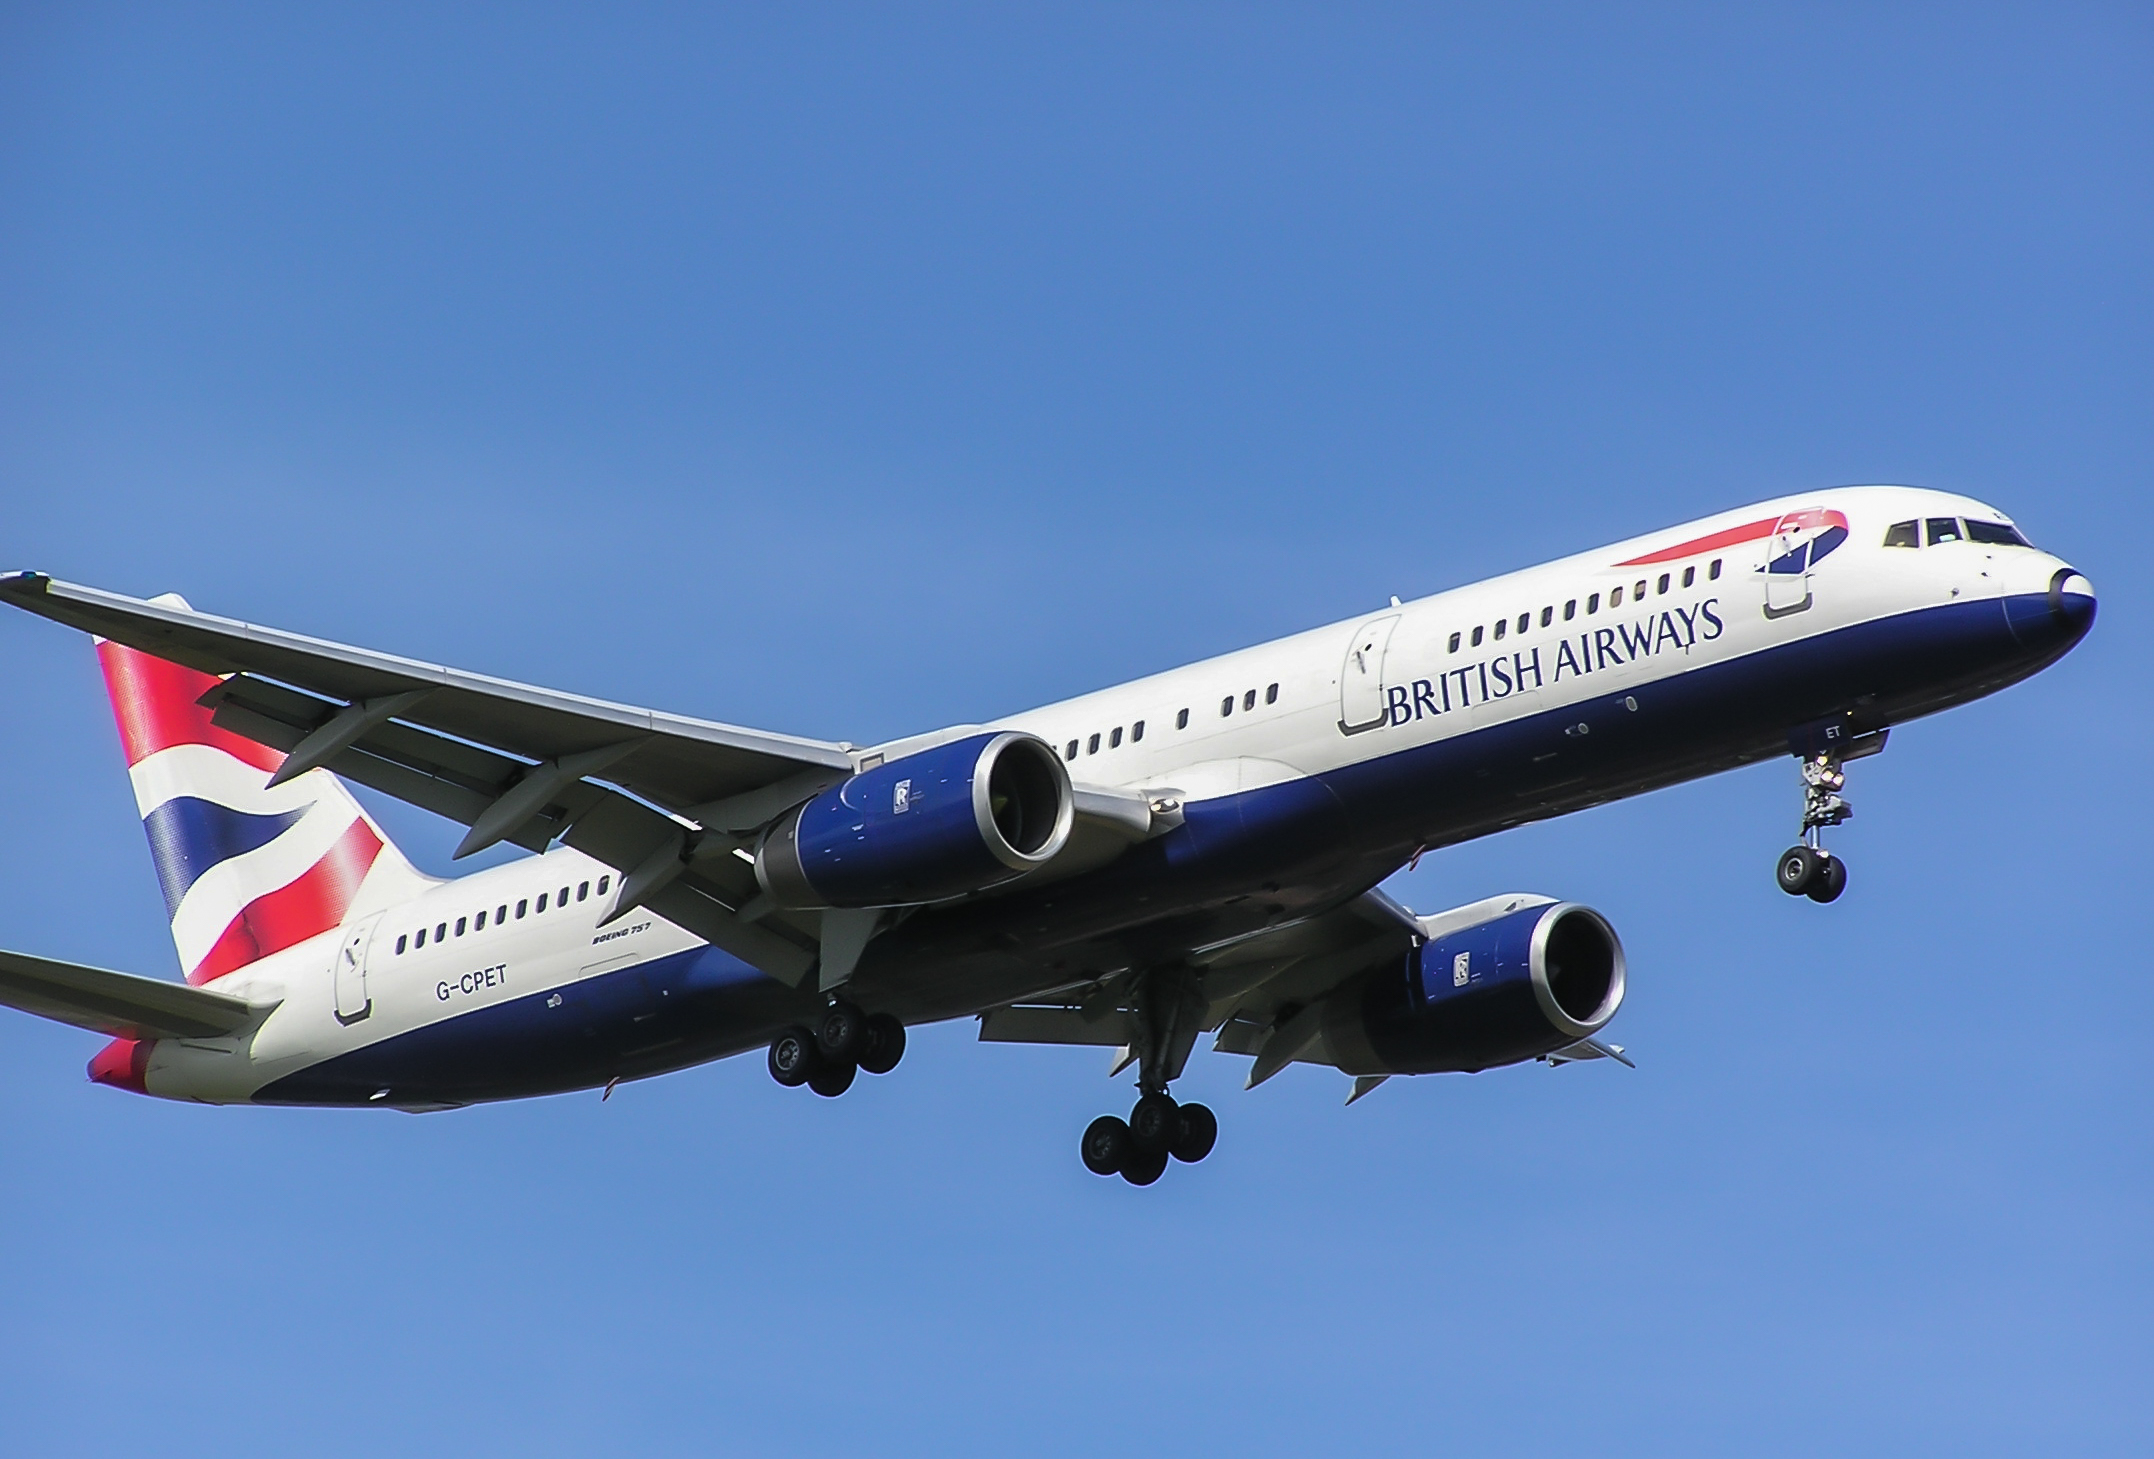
[296,911]
[154,702]
[1748,532]
[123,1064]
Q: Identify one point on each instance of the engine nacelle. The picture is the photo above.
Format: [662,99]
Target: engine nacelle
[958,818]
[1523,982]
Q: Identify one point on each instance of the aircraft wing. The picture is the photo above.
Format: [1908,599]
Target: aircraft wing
[511,761]
[121,1004]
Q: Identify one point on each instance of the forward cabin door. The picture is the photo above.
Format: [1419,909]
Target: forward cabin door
[1787,570]
[1361,677]
[353,1003]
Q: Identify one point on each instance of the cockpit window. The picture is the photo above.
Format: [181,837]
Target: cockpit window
[1995,533]
[1945,529]
[1904,534]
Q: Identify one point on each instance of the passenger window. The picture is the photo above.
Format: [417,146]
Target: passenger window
[1664,582]
[1548,616]
[459,927]
[1639,591]
[1091,746]
[1226,706]
[561,898]
[542,901]
[420,941]
[1996,534]
[1501,625]
[1454,643]
[400,945]
[522,906]
[1690,575]
[1570,610]
[1249,700]
[603,883]
[1271,694]
[1904,534]
[1593,603]
[1944,529]
[479,923]
[1136,732]
[1181,720]
[1477,635]
[1615,595]
[583,890]
[441,932]
[1071,752]
[1114,739]
[1713,572]
[501,913]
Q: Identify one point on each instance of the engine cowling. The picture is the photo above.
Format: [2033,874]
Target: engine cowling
[1517,985]
[958,818]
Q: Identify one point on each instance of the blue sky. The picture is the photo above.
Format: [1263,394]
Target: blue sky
[848,372]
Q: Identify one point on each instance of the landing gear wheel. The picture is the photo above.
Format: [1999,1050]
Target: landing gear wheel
[841,1035]
[886,1044]
[1154,1124]
[1830,881]
[1106,1146]
[1798,868]
[1144,1169]
[793,1058]
[1199,1132]
[832,1080]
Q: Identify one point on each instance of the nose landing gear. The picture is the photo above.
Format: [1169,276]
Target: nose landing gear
[1808,869]
[844,1041]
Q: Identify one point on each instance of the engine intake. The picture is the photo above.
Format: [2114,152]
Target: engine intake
[959,818]
[1517,985]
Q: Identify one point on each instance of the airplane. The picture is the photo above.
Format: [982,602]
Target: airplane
[1195,852]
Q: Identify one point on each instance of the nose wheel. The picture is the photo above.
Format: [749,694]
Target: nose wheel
[1808,869]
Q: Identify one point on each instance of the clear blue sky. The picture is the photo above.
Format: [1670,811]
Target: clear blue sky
[850,372]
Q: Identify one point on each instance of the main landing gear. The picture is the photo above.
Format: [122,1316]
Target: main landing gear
[843,1042]
[1167,1009]
[1808,869]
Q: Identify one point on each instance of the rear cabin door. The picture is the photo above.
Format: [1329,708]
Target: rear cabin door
[353,1003]
[1361,677]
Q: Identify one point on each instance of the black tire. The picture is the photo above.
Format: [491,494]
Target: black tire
[841,1034]
[1141,1169]
[793,1057]
[1199,1132]
[1797,869]
[886,1044]
[1154,1124]
[1831,880]
[1106,1146]
[832,1080]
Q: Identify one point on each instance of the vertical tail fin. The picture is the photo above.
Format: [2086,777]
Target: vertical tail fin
[247,871]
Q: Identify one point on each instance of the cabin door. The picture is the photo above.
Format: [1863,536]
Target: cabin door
[1361,677]
[353,1002]
[1787,570]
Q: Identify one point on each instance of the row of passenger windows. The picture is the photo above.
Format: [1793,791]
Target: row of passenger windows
[477,922]
[1091,744]
[1524,621]
[1952,529]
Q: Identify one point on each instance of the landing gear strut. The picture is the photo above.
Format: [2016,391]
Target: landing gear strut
[1808,869]
[844,1041]
[1167,1008]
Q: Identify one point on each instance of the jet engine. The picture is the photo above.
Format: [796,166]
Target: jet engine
[958,818]
[1496,983]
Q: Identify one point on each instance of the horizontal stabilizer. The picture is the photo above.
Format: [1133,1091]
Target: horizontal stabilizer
[121,1004]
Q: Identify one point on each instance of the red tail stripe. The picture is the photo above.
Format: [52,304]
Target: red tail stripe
[1748,532]
[154,702]
[292,913]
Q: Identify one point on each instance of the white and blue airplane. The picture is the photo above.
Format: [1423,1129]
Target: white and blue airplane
[1194,852]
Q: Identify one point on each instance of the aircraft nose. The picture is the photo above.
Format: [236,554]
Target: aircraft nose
[2052,622]
[2071,601]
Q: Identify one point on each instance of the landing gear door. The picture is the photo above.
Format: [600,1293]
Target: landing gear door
[353,1002]
[1787,569]
[1361,677]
